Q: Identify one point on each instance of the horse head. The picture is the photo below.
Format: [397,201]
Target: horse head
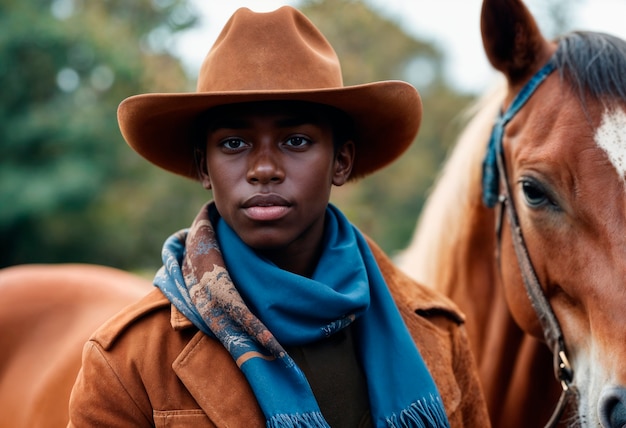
[561,141]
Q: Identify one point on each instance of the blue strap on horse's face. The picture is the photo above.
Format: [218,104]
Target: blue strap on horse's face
[490,164]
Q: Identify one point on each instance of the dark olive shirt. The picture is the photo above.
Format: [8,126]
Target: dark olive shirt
[336,378]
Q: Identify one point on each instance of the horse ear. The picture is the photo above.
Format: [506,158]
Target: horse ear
[512,40]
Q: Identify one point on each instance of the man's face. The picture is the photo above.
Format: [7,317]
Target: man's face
[271,167]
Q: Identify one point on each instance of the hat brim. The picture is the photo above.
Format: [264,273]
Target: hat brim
[387,116]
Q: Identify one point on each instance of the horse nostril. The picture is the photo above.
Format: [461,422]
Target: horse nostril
[612,407]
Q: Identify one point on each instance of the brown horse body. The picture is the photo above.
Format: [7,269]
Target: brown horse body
[565,156]
[47,313]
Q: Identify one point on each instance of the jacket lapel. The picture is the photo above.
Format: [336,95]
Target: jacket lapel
[216,383]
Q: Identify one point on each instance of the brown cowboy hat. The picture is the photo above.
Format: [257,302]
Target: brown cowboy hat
[277,55]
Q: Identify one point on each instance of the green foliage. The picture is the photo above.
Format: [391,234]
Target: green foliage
[369,46]
[64,67]
[386,205]
[72,191]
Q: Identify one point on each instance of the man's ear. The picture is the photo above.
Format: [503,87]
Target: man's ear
[201,166]
[344,160]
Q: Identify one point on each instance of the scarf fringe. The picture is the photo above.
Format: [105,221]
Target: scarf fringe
[307,420]
[427,413]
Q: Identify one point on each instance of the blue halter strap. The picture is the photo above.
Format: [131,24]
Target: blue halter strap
[490,164]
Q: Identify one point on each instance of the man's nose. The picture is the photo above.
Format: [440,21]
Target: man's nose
[265,167]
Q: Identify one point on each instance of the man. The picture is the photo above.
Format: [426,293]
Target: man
[272,309]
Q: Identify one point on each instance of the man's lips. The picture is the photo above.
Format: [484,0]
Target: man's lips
[268,207]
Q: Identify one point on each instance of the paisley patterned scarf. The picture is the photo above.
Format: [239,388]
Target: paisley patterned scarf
[253,307]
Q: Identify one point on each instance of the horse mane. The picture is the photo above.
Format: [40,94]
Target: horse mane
[593,63]
[456,189]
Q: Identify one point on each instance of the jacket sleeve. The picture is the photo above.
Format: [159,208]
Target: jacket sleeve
[99,399]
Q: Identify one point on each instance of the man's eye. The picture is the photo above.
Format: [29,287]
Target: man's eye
[297,141]
[233,144]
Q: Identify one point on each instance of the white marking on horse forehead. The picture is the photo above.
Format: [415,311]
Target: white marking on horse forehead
[611,137]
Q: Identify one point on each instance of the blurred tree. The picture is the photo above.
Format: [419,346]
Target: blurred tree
[70,189]
[64,67]
[372,47]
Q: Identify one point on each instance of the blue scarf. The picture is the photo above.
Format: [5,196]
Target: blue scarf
[222,286]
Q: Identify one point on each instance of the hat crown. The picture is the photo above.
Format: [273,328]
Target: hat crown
[280,50]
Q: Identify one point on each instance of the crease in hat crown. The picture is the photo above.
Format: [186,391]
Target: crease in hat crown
[277,55]
[290,54]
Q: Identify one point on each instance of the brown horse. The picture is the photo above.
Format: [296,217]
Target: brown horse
[47,313]
[546,264]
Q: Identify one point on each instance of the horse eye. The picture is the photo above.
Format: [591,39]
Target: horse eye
[534,194]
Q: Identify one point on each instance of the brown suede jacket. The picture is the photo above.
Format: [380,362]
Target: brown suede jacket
[149,366]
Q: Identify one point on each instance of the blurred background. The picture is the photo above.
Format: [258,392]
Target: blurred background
[71,190]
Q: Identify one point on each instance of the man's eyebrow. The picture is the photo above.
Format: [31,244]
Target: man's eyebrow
[296,121]
[228,123]
[241,123]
